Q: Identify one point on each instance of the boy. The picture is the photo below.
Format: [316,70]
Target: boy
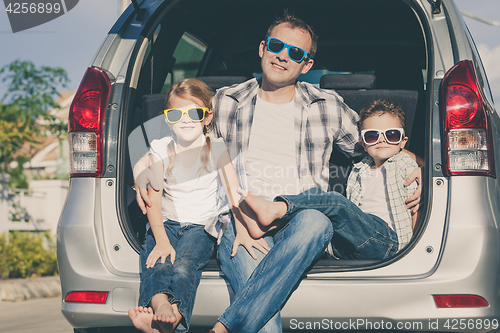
[373,221]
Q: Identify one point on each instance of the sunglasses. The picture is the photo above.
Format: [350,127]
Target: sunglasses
[175,115]
[392,135]
[295,53]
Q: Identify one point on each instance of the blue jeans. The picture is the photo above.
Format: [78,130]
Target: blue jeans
[260,296]
[238,269]
[193,249]
[357,235]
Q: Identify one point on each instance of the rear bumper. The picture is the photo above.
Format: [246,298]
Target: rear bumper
[465,260]
[320,302]
[315,304]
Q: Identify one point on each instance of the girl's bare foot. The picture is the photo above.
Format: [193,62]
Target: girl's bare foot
[142,318]
[219,328]
[167,317]
[164,313]
[266,211]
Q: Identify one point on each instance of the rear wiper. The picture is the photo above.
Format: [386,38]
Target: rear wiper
[140,11]
[436,6]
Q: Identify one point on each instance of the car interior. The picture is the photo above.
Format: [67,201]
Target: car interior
[367,50]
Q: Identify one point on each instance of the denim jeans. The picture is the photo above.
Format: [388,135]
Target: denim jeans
[238,269]
[193,249]
[296,245]
[357,235]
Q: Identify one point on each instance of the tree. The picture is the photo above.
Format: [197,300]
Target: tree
[24,108]
[12,137]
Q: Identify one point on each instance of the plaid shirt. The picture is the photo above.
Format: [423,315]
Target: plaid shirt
[321,120]
[398,168]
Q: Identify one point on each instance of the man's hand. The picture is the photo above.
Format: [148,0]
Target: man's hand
[413,202]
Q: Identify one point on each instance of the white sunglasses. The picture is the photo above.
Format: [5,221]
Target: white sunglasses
[392,135]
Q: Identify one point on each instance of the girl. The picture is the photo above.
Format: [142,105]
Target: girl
[177,244]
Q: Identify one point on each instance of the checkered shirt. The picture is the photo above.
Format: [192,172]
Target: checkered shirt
[398,168]
[321,120]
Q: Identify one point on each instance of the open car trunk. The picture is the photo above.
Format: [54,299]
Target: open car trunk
[367,50]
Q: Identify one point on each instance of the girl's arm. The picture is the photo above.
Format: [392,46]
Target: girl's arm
[230,181]
[142,177]
[163,248]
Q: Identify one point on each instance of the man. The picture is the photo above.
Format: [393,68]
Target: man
[285,131]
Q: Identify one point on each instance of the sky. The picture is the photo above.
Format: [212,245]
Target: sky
[71,40]
[487,38]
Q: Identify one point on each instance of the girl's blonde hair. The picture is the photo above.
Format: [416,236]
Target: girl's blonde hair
[196,91]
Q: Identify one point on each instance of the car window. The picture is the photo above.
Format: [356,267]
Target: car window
[150,44]
[170,56]
[188,56]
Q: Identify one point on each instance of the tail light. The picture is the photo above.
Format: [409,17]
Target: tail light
[460,301]
[86,124]
[95,297]
[468,144]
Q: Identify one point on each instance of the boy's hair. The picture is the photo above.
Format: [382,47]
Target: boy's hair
[379,108]
[295,23]
[194,90]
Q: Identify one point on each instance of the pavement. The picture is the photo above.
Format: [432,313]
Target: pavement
[24,289]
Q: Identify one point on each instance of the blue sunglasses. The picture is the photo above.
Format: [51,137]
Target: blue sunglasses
[295,53]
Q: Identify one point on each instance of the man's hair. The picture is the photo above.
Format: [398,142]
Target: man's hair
[295,23]
[379,108]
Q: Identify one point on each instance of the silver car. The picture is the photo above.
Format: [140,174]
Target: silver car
[416,53]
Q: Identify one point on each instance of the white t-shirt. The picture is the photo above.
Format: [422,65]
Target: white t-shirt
[375,199]
[270,161]
[189,196]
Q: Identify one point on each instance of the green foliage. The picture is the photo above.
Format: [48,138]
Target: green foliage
[32,89]
[26,255]
[13,134]
[24,108]
[17,177]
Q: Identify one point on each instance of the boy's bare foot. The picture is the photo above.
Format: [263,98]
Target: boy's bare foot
[266,211]
[142,318]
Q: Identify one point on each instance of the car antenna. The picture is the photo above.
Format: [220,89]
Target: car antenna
[140,11]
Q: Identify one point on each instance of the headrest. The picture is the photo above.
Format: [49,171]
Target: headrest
[216,82]
[347,81]
[153,105]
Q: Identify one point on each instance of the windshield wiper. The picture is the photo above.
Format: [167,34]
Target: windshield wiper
[140,11]
[436,6]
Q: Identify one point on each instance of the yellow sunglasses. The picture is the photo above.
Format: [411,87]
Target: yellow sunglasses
[175,115]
